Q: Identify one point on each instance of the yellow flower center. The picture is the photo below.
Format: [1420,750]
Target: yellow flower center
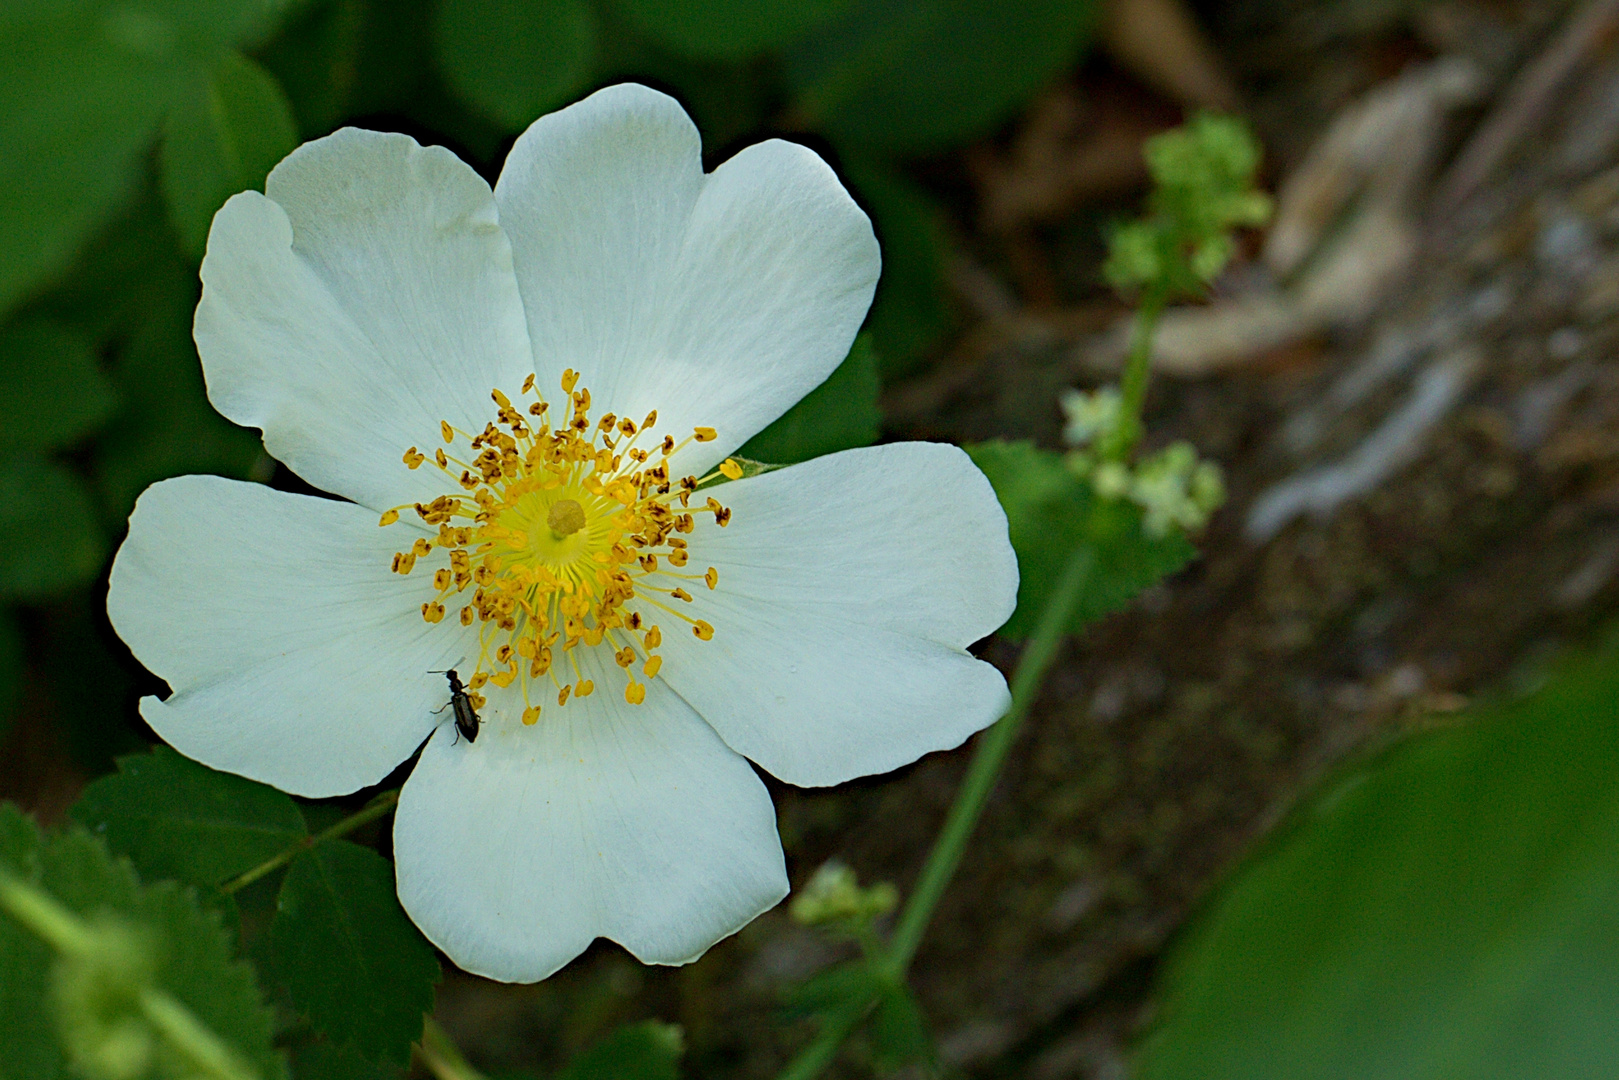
[566,532]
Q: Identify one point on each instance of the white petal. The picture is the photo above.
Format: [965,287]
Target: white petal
[849,587]
[631,822]
[368,296]
[718,300]
[296,656]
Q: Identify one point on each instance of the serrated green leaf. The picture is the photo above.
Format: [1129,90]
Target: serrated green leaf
[194,962]
[230,126]
[899,1031]
[909,313]
[918,76]
[12,671]
[52,390]
[649,1050]
[727,29]
[513,60]
[1050,512]
[1444,910]
[175,818]
[166,426]
[56,542]
[347,953]
[840,413]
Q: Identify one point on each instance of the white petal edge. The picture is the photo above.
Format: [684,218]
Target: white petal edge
[849,587]
[630,822]
[717,300]
[296,657]
[366,297]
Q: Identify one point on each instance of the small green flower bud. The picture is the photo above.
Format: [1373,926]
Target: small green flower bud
[96,992]
[834,895]
[1111,480]
[1091,417]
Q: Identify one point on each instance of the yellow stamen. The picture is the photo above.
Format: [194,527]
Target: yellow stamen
[555,526]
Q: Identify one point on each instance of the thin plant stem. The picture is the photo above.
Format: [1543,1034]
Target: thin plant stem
[377,808]
[813,1060]
[1137,367]
[895,958]
[441,1056]
[986,763]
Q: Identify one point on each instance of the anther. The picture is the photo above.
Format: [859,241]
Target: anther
[635,693]
[712,578]
[703,630]
[389,518]
[705,434]
[731,469]
[413,458]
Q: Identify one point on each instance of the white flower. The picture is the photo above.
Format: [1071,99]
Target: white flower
[815,623]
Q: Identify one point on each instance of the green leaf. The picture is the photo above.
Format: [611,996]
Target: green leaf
[167,426]
[78,106]
[325,1061]
[840,413]
[1050,512]
[899,1031]
[316,60]
[194,961]
[83,87]
[649,1050]
[13,670]
[52,390]
[175,818]
[227,131]
[918,76]
[909,313]
[515,59]
[726,29]
[1444,910]
[842,987]
[348,954]
[55,542]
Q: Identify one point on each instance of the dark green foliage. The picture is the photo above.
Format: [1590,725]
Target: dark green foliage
[918,76]
[347,953]
[55,542]
[1051,512]
[325,1061]
[13,671]
[174,818]
[839,414]
[512,60]
[726,29]
[646,1051]
[192,950]
[1445,910]
[52,390]
[909,314]
[83,87]
[227,131]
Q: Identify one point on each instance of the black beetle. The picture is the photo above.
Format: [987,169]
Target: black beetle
[466,717]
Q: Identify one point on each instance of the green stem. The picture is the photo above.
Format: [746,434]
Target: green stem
[813,1060]
[1137,366]
[997,742]
[204,1050]
[39,911]
[987,762]
[378,807]
[441,1056]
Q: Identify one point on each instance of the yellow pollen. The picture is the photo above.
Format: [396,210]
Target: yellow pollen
[558,531]
[565,517]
